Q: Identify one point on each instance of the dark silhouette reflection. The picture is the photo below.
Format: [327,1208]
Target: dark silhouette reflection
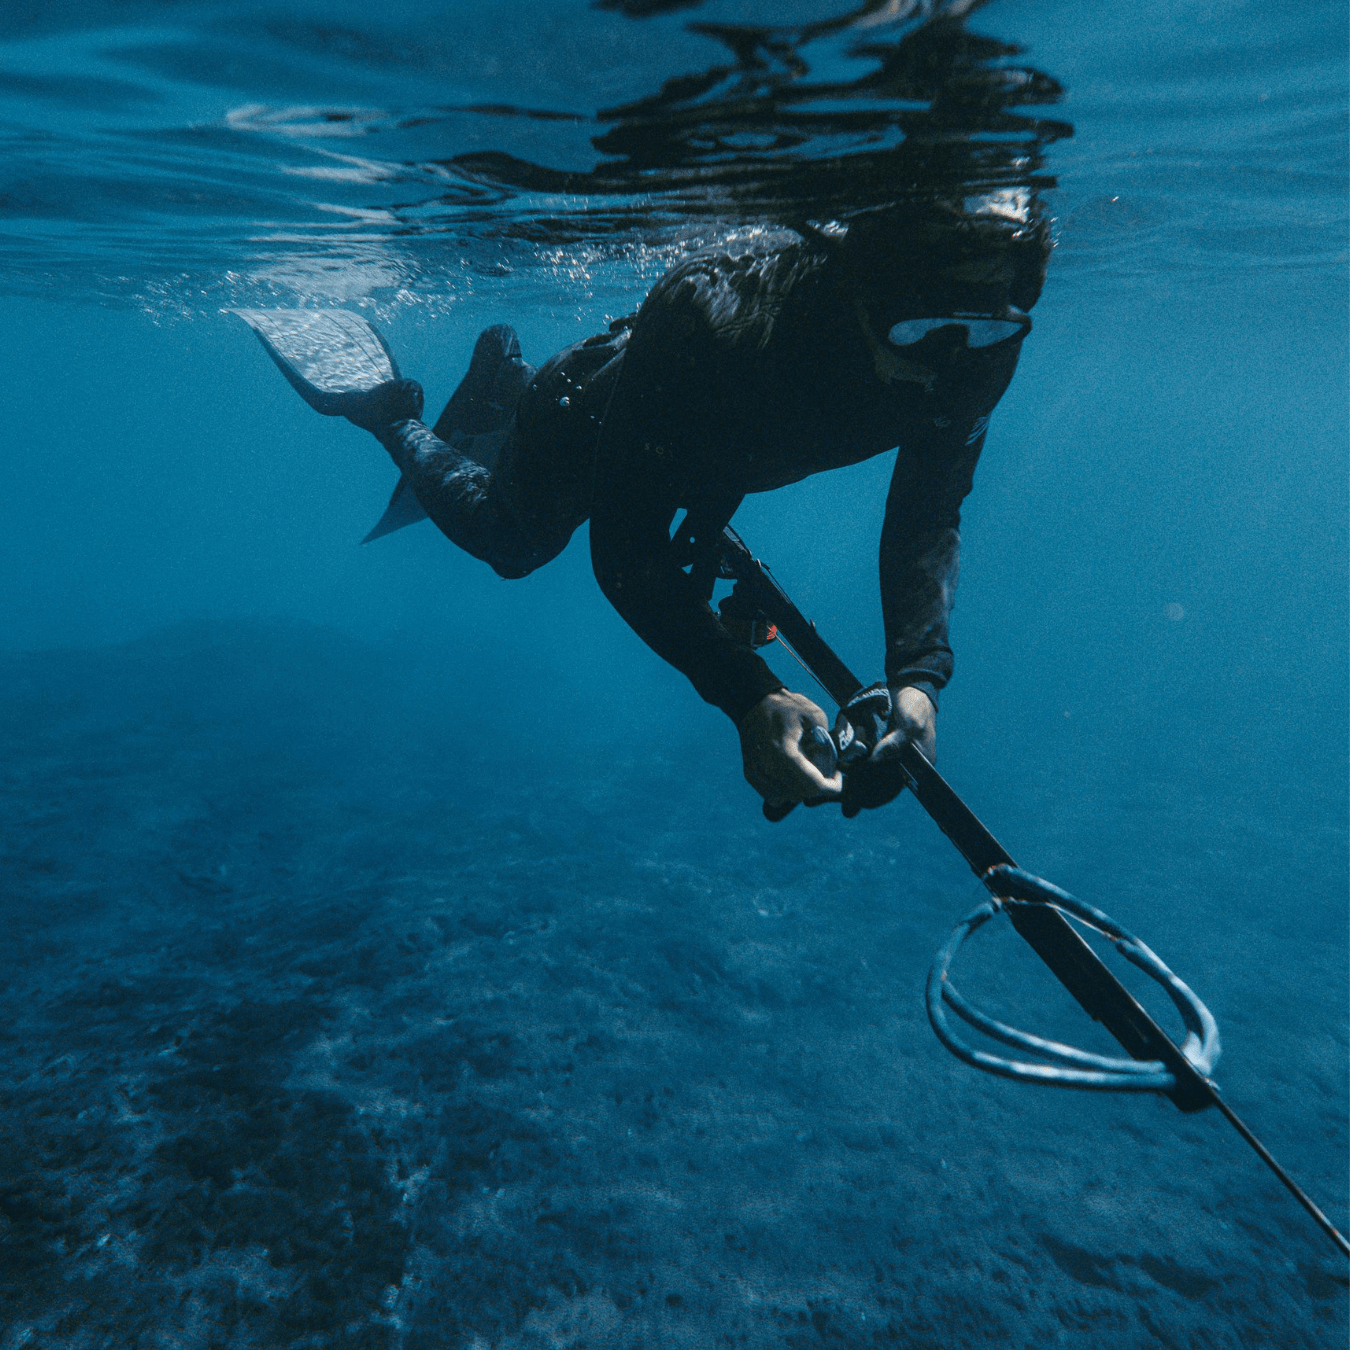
[936,113]
[642,9]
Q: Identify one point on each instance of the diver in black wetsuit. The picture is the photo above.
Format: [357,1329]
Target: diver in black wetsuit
[744,371]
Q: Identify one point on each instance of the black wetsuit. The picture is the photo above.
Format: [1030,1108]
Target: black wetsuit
[740,373]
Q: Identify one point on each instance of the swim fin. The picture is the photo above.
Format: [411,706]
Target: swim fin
[327,354]
[331,356]
[403,509]
[487,395]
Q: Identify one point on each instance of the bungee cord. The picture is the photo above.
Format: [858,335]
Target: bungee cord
[1069,1067]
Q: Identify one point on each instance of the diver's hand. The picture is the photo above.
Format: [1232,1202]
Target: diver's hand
[878,780]
[388,403]
[774,734]
[913,718]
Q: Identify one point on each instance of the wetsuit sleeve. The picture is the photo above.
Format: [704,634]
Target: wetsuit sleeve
[920,560]
[921,536]
[636,567]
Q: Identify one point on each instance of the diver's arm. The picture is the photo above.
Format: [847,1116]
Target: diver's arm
[921,540]
[637,570]
[920,559]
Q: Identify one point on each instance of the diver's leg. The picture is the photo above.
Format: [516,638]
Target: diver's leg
[463,499]
[510,475]
[526,441]
[460,495]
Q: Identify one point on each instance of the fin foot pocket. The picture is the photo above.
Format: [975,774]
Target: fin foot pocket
[393,401]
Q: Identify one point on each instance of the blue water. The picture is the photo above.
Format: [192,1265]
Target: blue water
[396,956]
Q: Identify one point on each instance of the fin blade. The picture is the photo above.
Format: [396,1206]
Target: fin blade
[403,509]
[325,354]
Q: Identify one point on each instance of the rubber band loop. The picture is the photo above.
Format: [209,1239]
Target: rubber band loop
[1068,1066]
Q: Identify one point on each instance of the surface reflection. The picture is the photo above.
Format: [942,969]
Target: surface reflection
[893,102]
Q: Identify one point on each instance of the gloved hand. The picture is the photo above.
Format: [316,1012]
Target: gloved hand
[878,778]
[393,401]
[787,753]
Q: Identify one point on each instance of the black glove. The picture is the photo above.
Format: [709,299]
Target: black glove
[870,784]
[393,401]
[862,722]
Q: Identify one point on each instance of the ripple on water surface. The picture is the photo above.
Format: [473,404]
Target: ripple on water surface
[192,156]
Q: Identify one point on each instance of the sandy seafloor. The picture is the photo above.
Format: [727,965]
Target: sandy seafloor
[311,1043]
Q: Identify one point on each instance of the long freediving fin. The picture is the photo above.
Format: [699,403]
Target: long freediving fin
[403,509]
